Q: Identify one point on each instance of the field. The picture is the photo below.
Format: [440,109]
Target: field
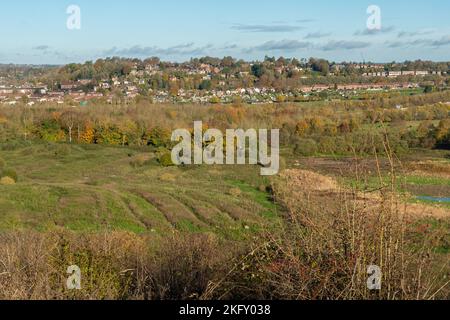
[98,188]
[358,185]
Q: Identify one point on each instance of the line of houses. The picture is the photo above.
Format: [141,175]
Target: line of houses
[395,74]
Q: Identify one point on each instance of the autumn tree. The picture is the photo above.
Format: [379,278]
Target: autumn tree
[69,119]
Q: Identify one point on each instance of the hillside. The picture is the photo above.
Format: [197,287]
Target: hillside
[93,188]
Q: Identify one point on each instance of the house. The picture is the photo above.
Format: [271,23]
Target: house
[6,90]
[84,82]
[67,86]
[105,85]
[394,74]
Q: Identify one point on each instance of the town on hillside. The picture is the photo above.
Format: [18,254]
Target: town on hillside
[212,80]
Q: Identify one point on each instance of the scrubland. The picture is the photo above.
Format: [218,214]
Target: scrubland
[89,187]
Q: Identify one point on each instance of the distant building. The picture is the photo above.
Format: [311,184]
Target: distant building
[67,86]
[394,74]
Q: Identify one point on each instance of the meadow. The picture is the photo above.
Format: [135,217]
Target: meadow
[93,187]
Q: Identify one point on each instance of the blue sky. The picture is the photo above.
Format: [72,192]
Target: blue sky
[34,31]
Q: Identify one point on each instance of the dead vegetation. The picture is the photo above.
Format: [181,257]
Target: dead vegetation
[327,244]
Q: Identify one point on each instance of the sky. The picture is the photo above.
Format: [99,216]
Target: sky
[36,32]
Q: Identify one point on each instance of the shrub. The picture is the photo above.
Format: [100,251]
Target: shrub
[165,159]
[319,255]
[281,98]
[159,137]
[185,267]
[214,100]
[106,134]
[114,265]
[305,147]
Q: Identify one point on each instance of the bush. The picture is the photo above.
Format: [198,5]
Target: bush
[9,173]
[214,100]
[305,147]
[317,255]
[108,135]
[114,265]
[185,267]
[158,137]
[165,159]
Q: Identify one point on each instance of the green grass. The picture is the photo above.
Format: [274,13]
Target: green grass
[261,197]
[430,202]
[427,181]
[93,188]
[402,183]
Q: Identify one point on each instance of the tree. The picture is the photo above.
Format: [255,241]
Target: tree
[302,128]
[228,62]
[27,121]
[428,89]
[258,70]
[88,134]
[205,85]
[69,119]
[321,65]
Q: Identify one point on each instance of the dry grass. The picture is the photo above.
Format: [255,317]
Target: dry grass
[7,181]
[430,169]
[113,265]
[329,239]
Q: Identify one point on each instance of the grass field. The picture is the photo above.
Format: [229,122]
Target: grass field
[218,232]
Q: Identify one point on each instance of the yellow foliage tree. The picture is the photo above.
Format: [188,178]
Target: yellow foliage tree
[88,134]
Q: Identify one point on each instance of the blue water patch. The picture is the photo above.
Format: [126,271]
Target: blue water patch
[434,199]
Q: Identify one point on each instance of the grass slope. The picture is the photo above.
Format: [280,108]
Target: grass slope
[92,188]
